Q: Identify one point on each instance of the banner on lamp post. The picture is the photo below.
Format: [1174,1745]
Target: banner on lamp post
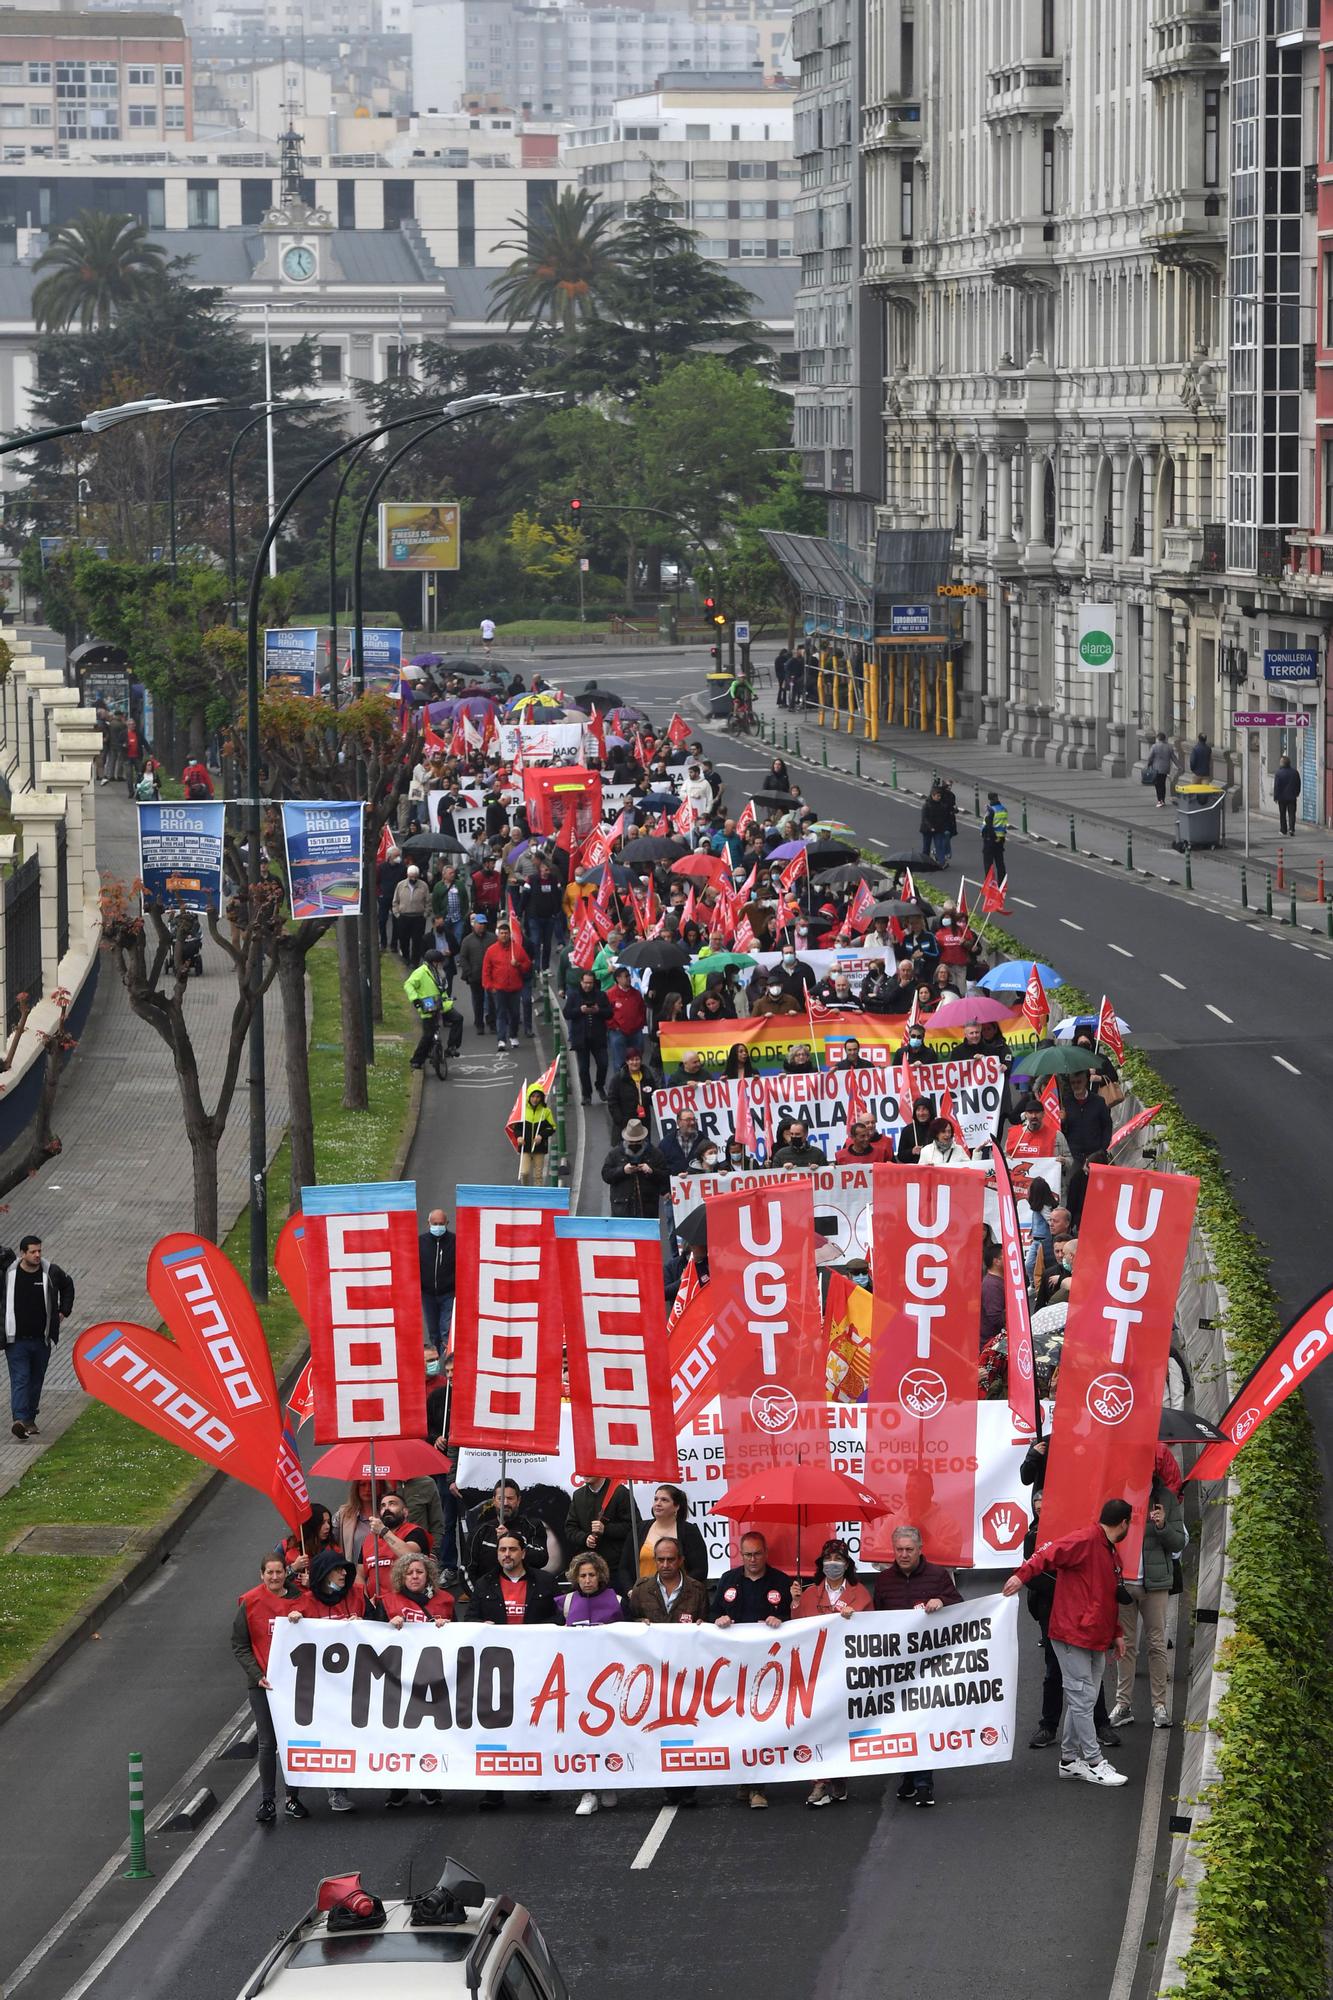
[616,1348]
[1096,638]
[359,1248]
[1132,1245]
[508,1332]
[291,660]
[324,857]
[921,1430]
[180,854]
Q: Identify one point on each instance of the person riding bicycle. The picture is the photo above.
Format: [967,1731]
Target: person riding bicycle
[742,700]
[428,991]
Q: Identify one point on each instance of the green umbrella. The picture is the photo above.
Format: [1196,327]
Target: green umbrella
[1062,1060]
[719,961]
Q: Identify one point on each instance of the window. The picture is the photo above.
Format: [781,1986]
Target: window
[1212,128]
[1047,27]
[752,210]
[256,200]
[330,364]
[467,224]
[1048,170]
[143,117]
[173,117]
[519,1981]
[39,72]
[142,74]
[39,114]
[753,246]
[11,72]
[398,364]
[696,132]
[201,205]
[905,203]
[907,58]
[753,170]
[173,76]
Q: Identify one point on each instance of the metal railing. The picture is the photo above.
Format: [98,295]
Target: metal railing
[23,937]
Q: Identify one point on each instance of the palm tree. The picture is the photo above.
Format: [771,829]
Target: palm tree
[564,261]
[92,265]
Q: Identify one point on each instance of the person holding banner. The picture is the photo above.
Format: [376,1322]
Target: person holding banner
[668,1596]
[251,1639]
[501,1514]
[754,1594]
[837,1589]
[912,1583]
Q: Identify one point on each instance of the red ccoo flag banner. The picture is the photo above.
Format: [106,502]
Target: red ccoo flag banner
[921,1413]
[1131,1253]
[1293,1356]
[360,1254]
[615,1339]
[507,1326]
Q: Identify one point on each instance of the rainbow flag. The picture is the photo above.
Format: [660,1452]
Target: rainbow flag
[771,1038]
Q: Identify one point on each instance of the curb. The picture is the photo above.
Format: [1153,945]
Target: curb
[156,1542]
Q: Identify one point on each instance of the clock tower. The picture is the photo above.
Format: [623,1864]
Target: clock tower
[296,230]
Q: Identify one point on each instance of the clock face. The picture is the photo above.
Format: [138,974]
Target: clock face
[298,263]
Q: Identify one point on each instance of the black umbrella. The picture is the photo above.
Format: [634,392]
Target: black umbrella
[659,802]
[655,955]
[1188,1427]
[767,801]
[852,872]
[891,907]
[649,848]
[920,864]
[600,698]
[432,843]
[828,853]
[621,876]
[693,1231]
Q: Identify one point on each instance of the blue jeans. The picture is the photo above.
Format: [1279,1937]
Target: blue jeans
[943,845]
[542,933]
[437,1309]
[27,1371]
[617,1044]
[506,1016]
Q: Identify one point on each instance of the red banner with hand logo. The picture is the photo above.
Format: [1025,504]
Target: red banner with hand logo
[1131,1253]
[615,1340]
[1293,1355]
[921,1414]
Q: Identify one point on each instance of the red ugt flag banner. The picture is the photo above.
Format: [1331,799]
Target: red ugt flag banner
[921,1415]
[1131,1252]
[615,1339]
[1293,1355]
[507,1324]
[360,1252]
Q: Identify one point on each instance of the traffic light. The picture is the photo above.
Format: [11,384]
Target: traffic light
[576,507]
[715,616]
[710,604]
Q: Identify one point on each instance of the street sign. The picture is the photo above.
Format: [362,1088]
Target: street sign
[909,621]
[742,631]
[960,590]
[1292,664]
[1266,718]
[1096,638]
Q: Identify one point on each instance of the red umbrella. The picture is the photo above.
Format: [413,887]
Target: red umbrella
[385,1458]
[969,1013]
[799,1493]
[707,867]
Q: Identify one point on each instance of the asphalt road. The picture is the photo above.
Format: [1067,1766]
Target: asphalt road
[875,1899]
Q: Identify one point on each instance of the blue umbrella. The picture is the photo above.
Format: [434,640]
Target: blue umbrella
[621,876]
[1013,976]
[787,852]
[1065,1031]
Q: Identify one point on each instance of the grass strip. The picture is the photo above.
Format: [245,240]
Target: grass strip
[105,1468]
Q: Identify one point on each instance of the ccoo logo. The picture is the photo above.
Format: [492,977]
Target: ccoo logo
[922,1392]
[773,1408]
[1110,1398]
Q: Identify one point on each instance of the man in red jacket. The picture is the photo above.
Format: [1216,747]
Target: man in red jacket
[628,1017]
[502,974]
[865,1147]
[913,1584]
[1084,1626]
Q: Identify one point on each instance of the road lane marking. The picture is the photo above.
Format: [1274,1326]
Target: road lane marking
[1130,1956]
[1179,984]
[1023,903]
[1286,1065]
[1070,925]
[1220,1015]
[657,1833]
[1120,948]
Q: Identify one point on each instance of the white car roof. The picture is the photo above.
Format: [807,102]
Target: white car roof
[407,1961]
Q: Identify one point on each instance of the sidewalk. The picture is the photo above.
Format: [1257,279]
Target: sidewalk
[1109,817]
[123,1178]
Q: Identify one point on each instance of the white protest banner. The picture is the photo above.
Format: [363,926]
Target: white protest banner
[823,1098]
[854,960]
[468,1707]
[1001,1499]
[1046,1170]
[468,816]
[542,742]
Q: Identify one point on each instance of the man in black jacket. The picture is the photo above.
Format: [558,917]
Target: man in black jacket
[600,1521]
[436,1250]
[1087,1120]
[636,1173]
[754,1594]
[37,1296]
[514,1595]
[1286,791]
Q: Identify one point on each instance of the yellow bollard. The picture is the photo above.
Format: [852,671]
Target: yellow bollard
[823,691]
[872,698]
[921,682]
[835,690]
[950,695]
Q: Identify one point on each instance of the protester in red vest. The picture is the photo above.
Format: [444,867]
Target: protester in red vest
[1084,1626]
[413,1596]
[257,1612]
[390,1537]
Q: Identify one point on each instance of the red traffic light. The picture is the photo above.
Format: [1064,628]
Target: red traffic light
[576,506]
[709,603]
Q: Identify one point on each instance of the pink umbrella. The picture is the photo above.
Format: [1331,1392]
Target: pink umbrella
[969,1013]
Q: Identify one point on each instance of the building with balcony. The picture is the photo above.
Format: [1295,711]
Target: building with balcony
[1045,242]
[71,78]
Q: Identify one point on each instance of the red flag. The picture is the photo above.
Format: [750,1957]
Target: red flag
[1134,1124]
[597,730]
[685,1291]
[1036,1007]
[745,1126]
[747,818]
[605,889]
[962,900]
[210,1388]
[684,819]
[913,1012]
[689,909]
[745,939]
[746,889]
[511,916]
[1131,1252]
[723,921]
[430,736]
[360,1251]
[473,739]
[652,908]
[1292,1358]
[678,731]
[615,1337]
[921,1416]
[507,1324]
[907,892]
[1049,1093]
[565,837]
[514,1122]
[1108,1031]
[596,849]
[1017,1315]
[458,740]
[858,915]
[301,1401]
[992,896]
[386,845]
[796,870]
[583,951]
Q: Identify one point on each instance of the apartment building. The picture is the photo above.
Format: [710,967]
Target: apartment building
[70,78]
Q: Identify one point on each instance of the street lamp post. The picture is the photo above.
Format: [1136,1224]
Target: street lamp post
[353,462]
[218,410]
[465,406]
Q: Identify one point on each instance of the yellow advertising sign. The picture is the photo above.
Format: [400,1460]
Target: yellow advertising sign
[419,535]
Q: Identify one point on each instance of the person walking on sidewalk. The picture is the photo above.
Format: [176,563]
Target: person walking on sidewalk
[503,970]
[1164,1538]
[1084,1626]
[994,833]
[37,1296]
[411,909]
[1160,761]
[1201,757]
[257,1612]
[1286,791]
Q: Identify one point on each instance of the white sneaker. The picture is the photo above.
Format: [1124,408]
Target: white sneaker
[1120,1715]
[1100,1773]
[586,1805]
[1160,1718]
[1076,1769]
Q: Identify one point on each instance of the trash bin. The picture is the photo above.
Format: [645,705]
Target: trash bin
[1200,815]
[719,699]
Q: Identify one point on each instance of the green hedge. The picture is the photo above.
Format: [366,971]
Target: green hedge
[1263,1902]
